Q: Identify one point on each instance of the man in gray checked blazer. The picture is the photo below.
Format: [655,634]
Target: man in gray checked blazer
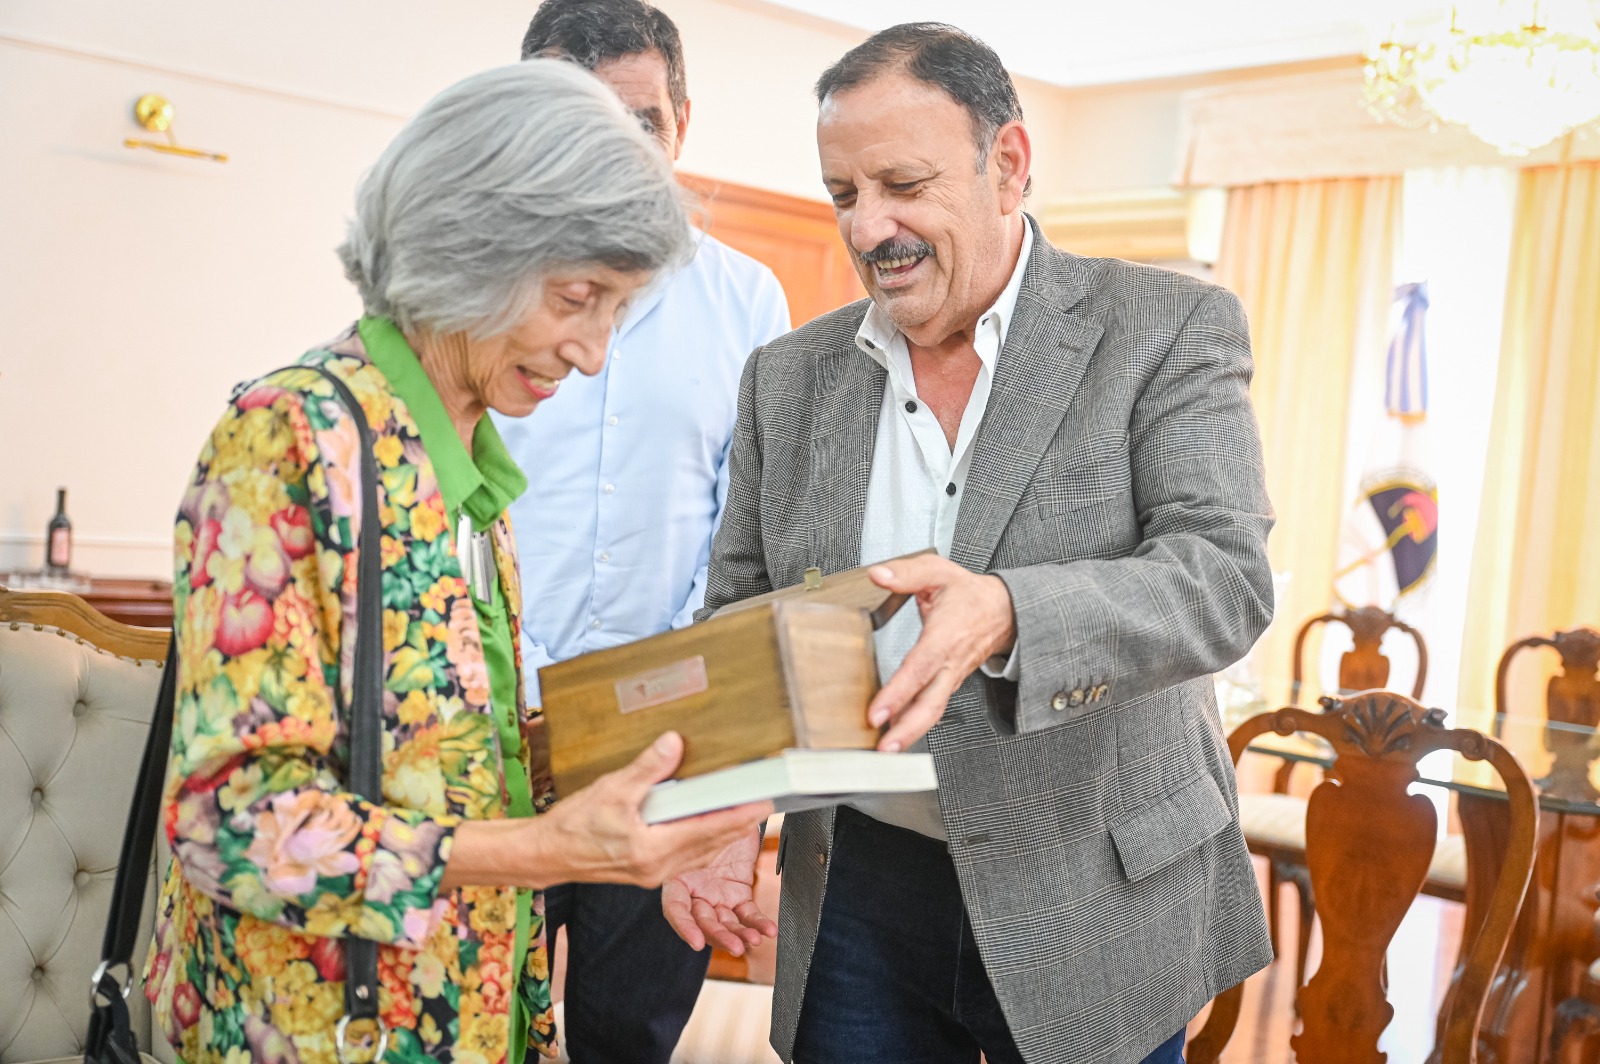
[1075,437]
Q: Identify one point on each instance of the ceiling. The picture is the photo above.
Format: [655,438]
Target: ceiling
[1075,42]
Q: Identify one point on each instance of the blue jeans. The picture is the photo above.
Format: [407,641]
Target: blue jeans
[896,977]
[631,981]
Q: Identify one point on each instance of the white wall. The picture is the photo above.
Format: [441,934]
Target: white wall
[136,289]
[751,71]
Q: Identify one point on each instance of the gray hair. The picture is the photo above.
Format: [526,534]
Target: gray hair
[498,179]
[967,70]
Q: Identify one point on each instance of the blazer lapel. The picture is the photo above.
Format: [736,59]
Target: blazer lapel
[844,432]
[1046,352]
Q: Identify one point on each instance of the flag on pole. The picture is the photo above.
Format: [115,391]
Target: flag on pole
[1391,536]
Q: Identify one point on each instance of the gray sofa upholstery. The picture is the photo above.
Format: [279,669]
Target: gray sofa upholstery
[73,720]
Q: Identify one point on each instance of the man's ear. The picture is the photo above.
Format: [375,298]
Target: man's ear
[683,129]
[1013,158]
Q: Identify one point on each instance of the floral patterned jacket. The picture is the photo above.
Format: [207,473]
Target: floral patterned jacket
[275,862]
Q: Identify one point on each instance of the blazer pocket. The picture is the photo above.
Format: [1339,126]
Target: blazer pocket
[1165,830]
[1095,469]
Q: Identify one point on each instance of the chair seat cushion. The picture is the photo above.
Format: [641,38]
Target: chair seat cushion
[1274,820]
[1279,820]
[1449,865]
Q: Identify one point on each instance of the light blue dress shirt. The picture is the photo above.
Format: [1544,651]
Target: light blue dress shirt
[627,470]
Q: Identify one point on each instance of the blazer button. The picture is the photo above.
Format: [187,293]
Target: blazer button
[1077,697]
[822,857]
[1058,701]
[1101,691]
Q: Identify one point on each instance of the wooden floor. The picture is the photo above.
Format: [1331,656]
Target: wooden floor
[1420,959]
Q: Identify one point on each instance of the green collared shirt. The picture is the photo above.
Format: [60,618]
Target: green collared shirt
[480,484]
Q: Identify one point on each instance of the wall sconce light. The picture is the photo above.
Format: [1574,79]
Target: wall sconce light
[154,113]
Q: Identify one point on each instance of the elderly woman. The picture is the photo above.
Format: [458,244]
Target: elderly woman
[493,245]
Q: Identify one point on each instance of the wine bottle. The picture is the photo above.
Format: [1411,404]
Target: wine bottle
[58,539]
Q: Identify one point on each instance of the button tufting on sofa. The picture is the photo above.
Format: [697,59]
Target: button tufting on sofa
[73,721]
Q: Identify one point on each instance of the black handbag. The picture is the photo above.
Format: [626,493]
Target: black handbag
[111,1038]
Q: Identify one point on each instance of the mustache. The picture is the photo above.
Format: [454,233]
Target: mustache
[890,250]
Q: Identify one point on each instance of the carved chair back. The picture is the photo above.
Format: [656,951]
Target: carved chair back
[1368,845]
[1364,667]
[1573,694]
[71,614]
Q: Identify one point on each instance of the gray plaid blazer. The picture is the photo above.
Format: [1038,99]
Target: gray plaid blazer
[1117,487]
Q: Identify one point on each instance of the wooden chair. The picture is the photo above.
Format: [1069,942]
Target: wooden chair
[1573,694]
[1364,667]
[1571,697]
[1274,824]
[1369,845]
[1577,1019]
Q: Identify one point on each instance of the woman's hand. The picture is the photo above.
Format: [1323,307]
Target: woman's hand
[717,902]
[598,836]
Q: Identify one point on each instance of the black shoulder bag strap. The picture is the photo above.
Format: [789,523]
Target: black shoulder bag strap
[366,719]
[111,1039]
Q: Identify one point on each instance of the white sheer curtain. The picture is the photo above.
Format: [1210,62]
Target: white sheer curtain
[1455,234]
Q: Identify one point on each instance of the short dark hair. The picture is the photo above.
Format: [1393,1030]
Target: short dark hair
[589,32]
[967,70]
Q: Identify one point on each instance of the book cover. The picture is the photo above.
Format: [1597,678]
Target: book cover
[793,780]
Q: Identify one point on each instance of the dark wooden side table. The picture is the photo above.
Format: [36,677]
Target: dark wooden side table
[146,603]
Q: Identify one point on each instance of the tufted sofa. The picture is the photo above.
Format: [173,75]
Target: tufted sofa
[76,693]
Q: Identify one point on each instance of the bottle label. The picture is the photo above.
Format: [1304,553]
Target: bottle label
[59,555]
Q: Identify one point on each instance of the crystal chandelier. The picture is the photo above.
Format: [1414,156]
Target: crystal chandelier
[1517,73]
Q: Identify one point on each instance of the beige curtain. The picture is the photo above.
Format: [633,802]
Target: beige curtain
[1313,263]
[1536,564]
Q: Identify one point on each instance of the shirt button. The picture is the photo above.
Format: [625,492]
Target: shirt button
[911,406]
[616,356]
[595,624]
[605,555]
[611,489]
[950,488]
[612,420]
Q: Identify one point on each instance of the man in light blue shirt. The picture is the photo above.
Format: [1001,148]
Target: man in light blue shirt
[627,474]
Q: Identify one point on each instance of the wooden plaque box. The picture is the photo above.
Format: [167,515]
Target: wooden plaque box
[792,669]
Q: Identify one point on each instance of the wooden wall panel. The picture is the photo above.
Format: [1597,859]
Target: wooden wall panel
[796,238]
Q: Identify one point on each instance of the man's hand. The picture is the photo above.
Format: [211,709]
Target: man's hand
[966,619]
[717,902]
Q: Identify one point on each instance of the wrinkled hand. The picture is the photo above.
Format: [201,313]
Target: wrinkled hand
[966,619]
[598,836]
[716,903]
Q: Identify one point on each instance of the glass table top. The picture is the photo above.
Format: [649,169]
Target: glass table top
[1561,760]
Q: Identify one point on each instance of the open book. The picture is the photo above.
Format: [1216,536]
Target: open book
[793,780]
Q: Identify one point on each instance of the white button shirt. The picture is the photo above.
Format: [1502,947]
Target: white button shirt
[914,493]
[627,470]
